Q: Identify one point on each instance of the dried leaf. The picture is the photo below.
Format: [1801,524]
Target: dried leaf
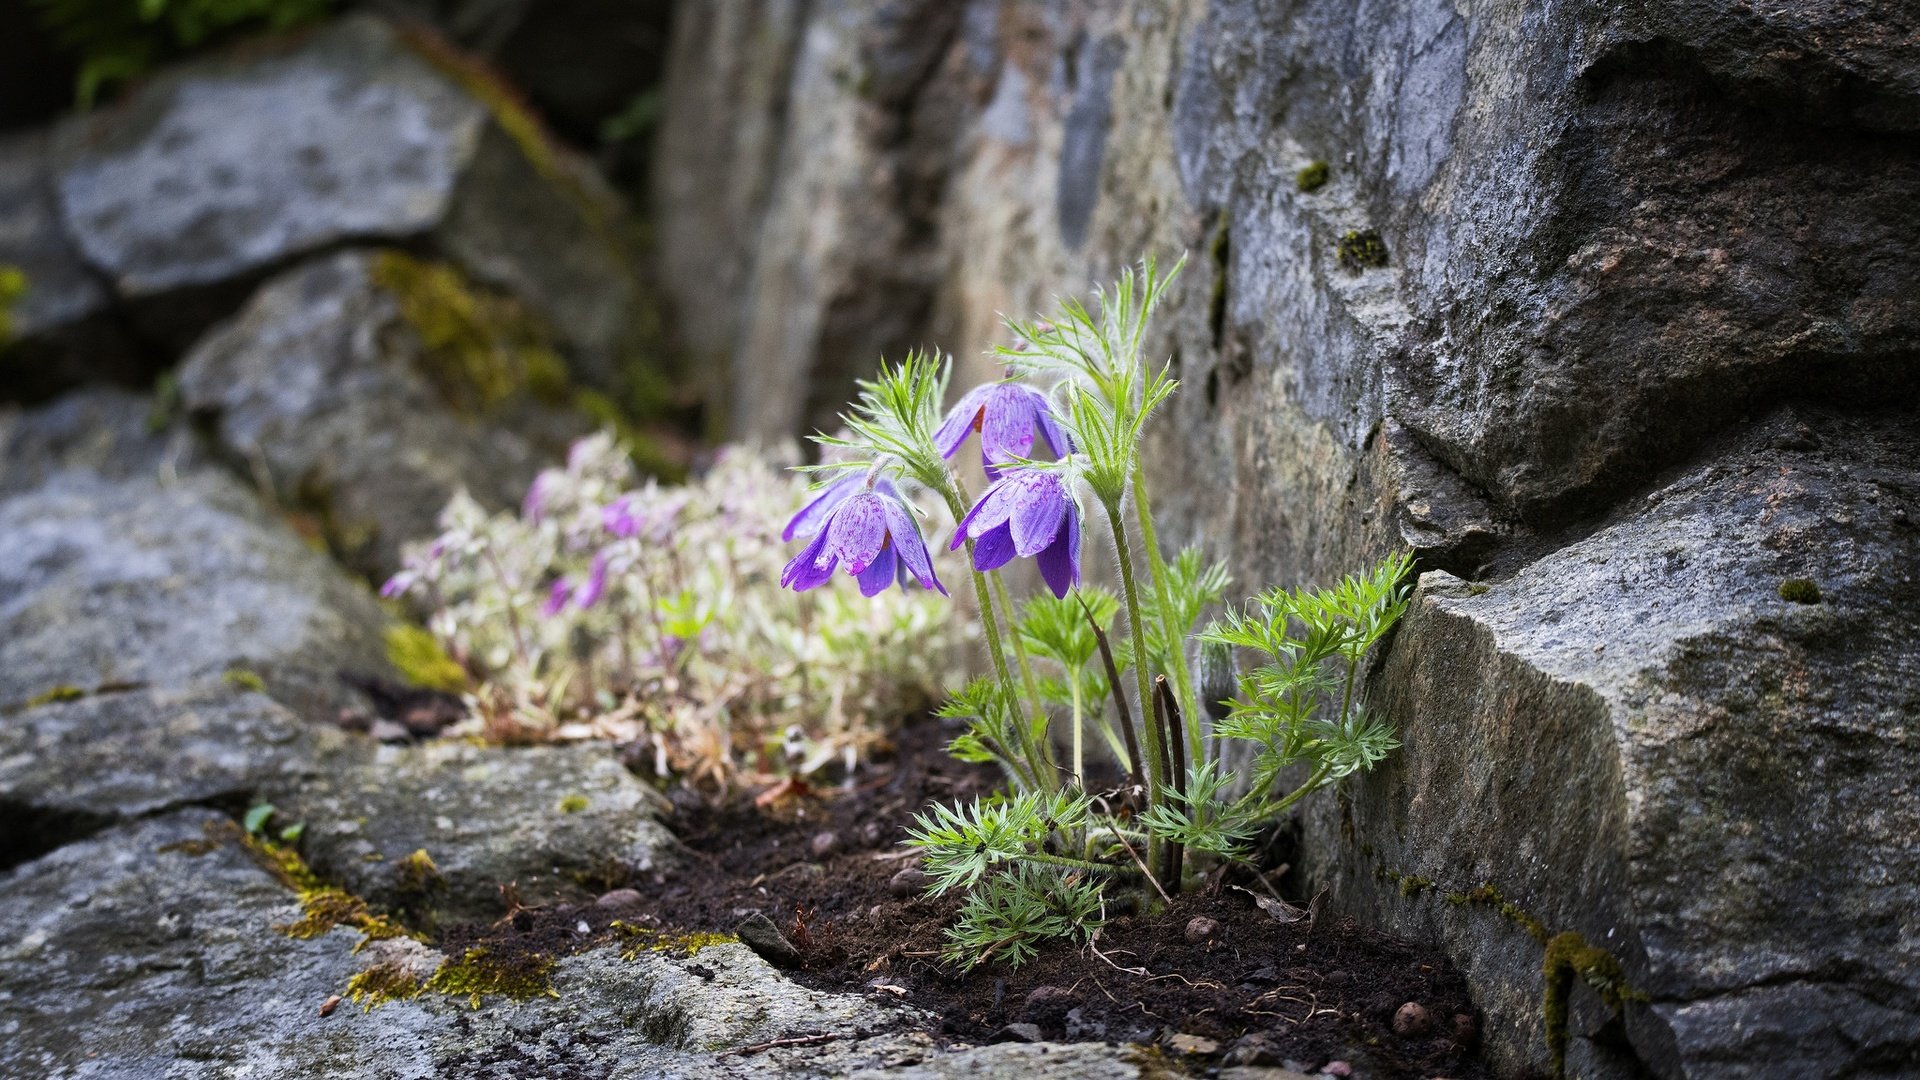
[1276,907]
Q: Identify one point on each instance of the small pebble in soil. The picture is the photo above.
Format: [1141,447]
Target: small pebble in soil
[1255,1049]
[1337,1068]
[758,933]
[1465,1028]
[1412,1021]
[619,898]
[1024,1033]
[1183,1043]
[1201,930]
[908,882]
[1338,978]
[824,843]
[1049,1005]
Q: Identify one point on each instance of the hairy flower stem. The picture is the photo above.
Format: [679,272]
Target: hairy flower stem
[1156,763]
[1176,635]
[1039,715]
[1043,776]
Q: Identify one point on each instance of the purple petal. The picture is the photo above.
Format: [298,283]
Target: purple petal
[814,514]
[557,598]
[596,585]
[911,547]
[992,510]
[1060,562]
[618,518]
[1037,511]
[878,574]
[1006,429]
[994,549]
[1056,436]
[803,572]
[536,500]
[960,420]
[397,584]
[857,530]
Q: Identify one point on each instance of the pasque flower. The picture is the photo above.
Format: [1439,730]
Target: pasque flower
[1028,513]
[1006,414]
[870,529]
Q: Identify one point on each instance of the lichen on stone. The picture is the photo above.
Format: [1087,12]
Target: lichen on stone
[478,349]
[1360,249]
[1799,591]
[54,695]
[1313,177]
[419,658]
[573,803]
[383,982]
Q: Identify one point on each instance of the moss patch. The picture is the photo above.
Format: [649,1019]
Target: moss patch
[13,285]
[634,940]
[1569,955]
[573,803]
[1485,895]
[1360,249]
[322,906]
[479,350]
[1313,177]
[244,679]
[417,655]
[479,972]
[383,982]
[54,695]
[1799,590]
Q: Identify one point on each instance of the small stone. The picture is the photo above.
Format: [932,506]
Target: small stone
[1049,1004]
[619,898]
[909,882]
[1201,930]
[871,834]
[387,731]
[824,844]
[1338,978]
[1465,1029]
[758,933]
[327,1006]
[1022,1033]
[1336,1068]
[1192,1044]
[1255,1049]
[1412,1021]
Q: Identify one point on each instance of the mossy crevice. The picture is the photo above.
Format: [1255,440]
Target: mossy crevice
[13,285]
[480,972]
[322,906]
[54,695]
[1800,590]
[1313,177]
[479,350]
[1568,955]
[388,980]
[1360,249]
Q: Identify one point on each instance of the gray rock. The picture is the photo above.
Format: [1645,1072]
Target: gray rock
[1636,739]
[757,932]
[1041,1061]
[216,171]
[107,583]
[69,766]
[61,330]
[133,957]
[113,433]
[324,384]
[556,822]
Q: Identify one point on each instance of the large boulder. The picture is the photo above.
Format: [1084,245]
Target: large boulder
[217,171]
[105,431]
[110,584]
[1689,738]
[370,386]
[556,823]
[152,949]
[1550,253]
[61,329]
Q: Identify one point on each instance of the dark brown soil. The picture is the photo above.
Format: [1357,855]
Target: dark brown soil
[822,866]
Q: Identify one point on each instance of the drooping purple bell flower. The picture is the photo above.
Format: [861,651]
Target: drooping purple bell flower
[1028,513]
[557,597]
[870,530]
[1006,414]
[814,515]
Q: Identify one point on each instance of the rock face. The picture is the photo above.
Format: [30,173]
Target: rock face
[371,386]
[212,174]
[139,953]
[1609,244]
[115,583]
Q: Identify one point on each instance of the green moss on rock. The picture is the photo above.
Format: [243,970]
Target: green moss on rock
[479,350]
[1568,955]
[1313,177]
[479,972]
[55,694]
[1360,249]
[634,940]
[383,982]
[244,679]
[417,655]
[1799,590]
[13,285]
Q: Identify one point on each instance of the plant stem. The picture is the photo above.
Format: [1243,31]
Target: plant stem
[1079,762]
[1020,658]
[1176,635]
[1068,861]
[1156,765]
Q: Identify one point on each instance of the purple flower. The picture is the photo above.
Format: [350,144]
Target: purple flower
[619,517]
[1005,414]
[813,515]
[872,532]
[1026,512]
[534,506]
[398,584]
[591,590]
[557,598]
